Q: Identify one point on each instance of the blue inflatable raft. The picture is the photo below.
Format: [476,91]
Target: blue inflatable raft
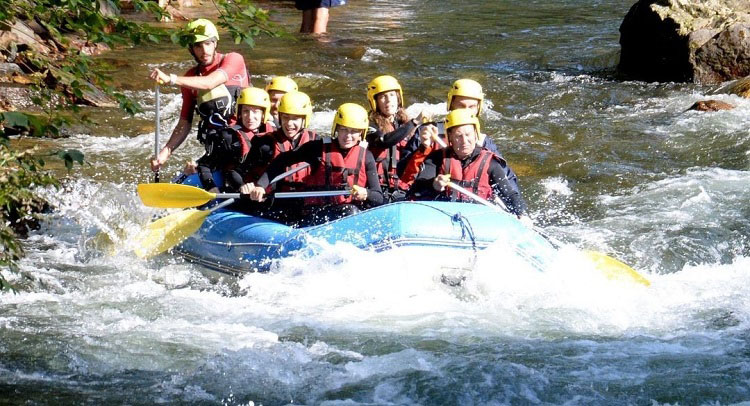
[234,242]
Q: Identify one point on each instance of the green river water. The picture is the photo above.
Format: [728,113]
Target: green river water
[604,164]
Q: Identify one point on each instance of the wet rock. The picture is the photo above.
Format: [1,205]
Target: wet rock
[739,87]
[21,36]
[683,41]
[89,48]
[7,69]
[711,105]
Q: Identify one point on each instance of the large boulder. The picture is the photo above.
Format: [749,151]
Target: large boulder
[705,41]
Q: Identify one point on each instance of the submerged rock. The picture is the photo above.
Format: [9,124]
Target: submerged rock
[711,105]
[686,41]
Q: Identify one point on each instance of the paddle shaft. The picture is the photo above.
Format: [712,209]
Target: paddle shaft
[156,132]
[500,207]
[221,205]
[477,198]
[290,195]
[289,172]
[622,267]
[435,137]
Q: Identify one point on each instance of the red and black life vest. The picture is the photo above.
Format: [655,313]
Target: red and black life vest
[338,170]
[474,177]
[229,144]
[295,181]
[386,160]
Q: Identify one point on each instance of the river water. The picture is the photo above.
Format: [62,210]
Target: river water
[604,164]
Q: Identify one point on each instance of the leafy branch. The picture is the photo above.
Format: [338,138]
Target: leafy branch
[61,77]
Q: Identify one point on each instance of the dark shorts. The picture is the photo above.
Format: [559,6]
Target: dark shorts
[311,4]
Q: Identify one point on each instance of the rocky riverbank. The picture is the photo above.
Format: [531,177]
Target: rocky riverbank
[704,41]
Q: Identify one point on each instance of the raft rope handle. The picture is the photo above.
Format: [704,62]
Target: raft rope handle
[536,262]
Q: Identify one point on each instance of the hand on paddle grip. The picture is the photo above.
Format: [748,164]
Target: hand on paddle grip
[160,77]
[441,182]
[252,192]
[359,193]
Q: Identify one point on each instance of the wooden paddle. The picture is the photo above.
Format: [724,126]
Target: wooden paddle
[611,267]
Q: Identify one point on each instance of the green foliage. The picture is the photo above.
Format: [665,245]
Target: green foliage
[65,77]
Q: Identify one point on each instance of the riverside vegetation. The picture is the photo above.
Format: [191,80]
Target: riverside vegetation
[48,42]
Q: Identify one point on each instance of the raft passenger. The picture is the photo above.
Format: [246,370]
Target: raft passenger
[463,94]
[467,164]
[391,130]
[228,147]
[276,88]
[341,163]
[295,111]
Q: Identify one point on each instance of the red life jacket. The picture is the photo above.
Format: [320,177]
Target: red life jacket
[386,160]
[416,159]
[295,181]
[337,171]
[475,177]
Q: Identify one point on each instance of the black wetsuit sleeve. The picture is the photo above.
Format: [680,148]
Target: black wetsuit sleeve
[505,188]
[308,152]
[261,153]
[379,139]
[374,192]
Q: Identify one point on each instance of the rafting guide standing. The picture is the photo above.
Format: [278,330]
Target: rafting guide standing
[213,70]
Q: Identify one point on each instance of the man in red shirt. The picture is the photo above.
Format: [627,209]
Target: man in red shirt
[213,69]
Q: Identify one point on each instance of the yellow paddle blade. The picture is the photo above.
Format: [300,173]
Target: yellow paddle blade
[172,195]
[615,269]
[168,231]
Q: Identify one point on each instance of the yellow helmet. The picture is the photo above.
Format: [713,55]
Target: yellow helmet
[466,88]
[257,97]
[282,84]
[460,117]
[351,115]
[202,30]
[296,103]
[383,84]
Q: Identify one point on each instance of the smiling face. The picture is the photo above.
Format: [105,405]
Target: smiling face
[463,140]
[292,124]
[251,116]
[347,136]
[204,51]
[387,103]
[463,102]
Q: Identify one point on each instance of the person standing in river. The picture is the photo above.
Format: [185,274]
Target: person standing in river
[212,71]
[315,14]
